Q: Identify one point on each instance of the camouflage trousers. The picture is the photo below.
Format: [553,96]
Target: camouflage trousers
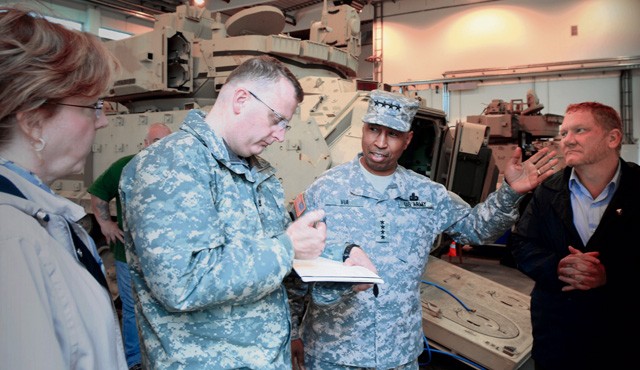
[313,363]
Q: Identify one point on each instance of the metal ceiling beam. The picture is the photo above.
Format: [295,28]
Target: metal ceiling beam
[223,5]
[127,10]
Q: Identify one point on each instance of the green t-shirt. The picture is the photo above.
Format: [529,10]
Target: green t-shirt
[105,187]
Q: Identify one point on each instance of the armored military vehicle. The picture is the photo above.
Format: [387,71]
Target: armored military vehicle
[182,63]
[509,124]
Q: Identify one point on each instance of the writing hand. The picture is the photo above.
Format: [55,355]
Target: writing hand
[308,234]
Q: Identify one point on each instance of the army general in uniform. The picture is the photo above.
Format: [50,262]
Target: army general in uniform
[386,217]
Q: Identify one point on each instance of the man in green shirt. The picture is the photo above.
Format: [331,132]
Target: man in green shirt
[103,190]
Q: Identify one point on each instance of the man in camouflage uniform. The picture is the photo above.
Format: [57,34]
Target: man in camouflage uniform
[207,236]
[392,215]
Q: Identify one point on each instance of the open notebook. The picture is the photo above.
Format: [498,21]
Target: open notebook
[323,269]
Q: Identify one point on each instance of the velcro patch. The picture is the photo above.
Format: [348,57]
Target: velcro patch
[299,205]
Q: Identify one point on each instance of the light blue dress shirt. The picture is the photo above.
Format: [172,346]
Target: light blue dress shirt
[587,211]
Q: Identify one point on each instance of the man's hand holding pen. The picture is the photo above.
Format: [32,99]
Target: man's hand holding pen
[308,235]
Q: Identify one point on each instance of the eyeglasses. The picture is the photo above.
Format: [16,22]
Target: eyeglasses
[97,106]
[283,123]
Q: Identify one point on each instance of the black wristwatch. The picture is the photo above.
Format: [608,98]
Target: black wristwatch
[347,251]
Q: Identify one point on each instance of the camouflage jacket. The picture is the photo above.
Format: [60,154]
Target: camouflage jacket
[204,237]
[397,230]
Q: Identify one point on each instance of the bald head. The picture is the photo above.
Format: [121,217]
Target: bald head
[156,132]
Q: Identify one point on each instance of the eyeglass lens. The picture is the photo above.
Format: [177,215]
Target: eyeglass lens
[283,123]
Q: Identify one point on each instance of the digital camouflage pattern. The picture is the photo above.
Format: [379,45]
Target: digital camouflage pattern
[205,241]
[392,110]
[397,230]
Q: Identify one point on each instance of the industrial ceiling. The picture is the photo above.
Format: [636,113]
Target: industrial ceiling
[149,8]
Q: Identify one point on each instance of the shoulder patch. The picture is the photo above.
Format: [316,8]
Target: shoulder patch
[299,205]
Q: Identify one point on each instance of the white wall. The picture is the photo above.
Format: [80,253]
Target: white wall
[422,40]
[501,33]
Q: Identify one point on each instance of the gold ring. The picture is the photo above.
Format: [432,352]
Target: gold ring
[538,171]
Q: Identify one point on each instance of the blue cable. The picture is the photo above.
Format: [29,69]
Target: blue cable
[459,358]
[451,294]
[426,343]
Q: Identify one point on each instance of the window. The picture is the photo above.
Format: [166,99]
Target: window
[109,34]
[65,22]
